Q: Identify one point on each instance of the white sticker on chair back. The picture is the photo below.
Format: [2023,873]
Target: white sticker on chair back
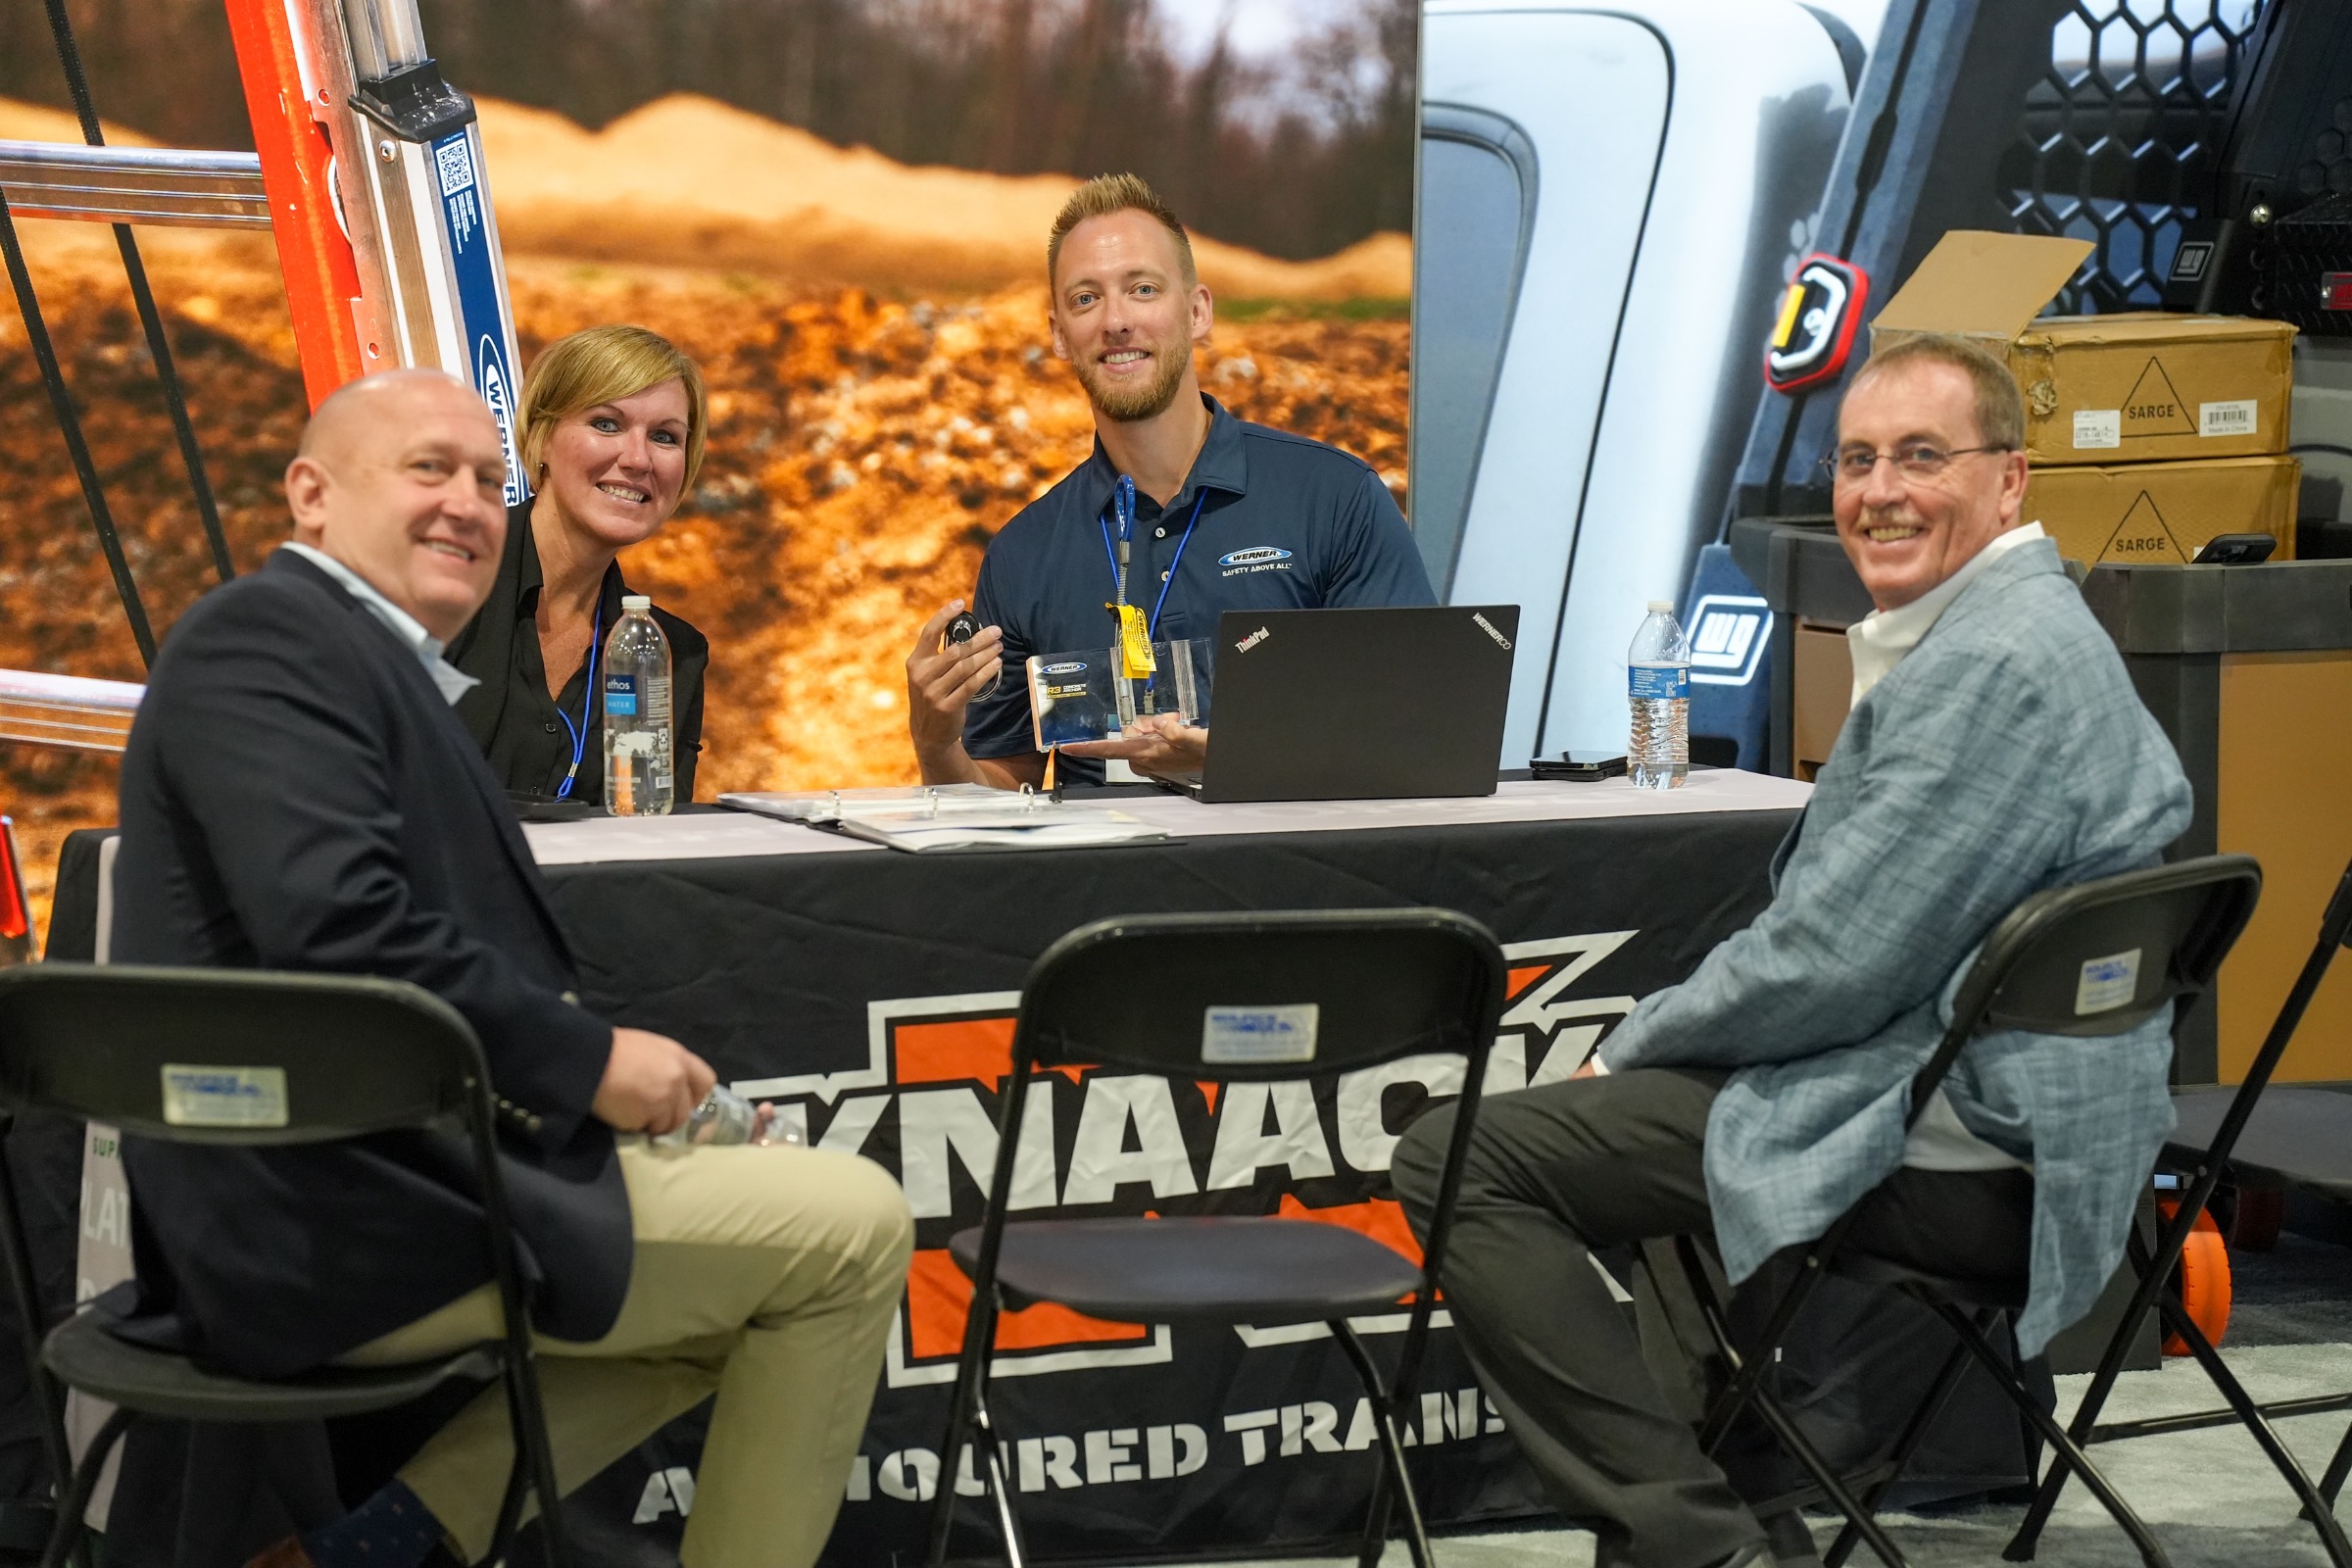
[1232,1036]
[2107,983]
[225,1096]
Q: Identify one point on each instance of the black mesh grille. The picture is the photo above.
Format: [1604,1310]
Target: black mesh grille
[2328,171]
[2120,133]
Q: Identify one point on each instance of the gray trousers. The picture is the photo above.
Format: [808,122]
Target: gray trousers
[1606,1417]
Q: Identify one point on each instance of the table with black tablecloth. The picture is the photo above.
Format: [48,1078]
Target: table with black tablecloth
[871,993]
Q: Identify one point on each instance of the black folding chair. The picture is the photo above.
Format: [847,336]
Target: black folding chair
[319,1059]
[1227,997]
[2289,1136]
[2041,971]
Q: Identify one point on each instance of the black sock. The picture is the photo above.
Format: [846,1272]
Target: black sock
[393,1528]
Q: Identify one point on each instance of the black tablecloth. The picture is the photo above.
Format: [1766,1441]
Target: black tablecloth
[871,993]
[893,975]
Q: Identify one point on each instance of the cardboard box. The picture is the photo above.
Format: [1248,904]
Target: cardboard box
[2139,386]
[2162,514]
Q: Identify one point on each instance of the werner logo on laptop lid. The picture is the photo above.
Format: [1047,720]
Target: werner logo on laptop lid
[1360,705]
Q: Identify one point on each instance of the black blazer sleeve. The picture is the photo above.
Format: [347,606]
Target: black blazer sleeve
[277,743]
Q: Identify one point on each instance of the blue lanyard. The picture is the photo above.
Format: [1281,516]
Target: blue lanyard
[1122,501]
[579,731]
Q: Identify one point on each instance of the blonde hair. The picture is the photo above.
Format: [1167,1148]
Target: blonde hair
[1106,194]
[2000,407]
[603,364]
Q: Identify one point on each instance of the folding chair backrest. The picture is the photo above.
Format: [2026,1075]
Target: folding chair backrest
[1284,994]
[2102,957]
[232,1056]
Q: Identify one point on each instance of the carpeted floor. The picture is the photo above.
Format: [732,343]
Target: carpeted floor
[2212,1498]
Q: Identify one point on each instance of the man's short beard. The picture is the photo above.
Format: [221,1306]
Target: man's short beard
[1143,402]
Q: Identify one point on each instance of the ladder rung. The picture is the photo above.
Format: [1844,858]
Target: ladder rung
[68,710]
[133,184]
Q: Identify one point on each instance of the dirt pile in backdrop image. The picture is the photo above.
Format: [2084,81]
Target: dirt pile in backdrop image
[866,442]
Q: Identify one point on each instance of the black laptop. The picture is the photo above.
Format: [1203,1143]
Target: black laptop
[1358,705]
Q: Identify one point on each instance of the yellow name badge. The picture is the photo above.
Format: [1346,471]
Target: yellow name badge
[1135,642]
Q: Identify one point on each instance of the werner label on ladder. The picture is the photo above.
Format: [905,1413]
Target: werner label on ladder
[481,298]
[405,249]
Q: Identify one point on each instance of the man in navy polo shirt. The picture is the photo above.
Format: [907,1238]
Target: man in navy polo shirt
[1227,514]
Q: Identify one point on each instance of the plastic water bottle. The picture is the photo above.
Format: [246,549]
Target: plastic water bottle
[640,778]
[723,1117]
[1658,682]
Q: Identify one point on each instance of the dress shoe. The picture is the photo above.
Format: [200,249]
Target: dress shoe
[1790,1542]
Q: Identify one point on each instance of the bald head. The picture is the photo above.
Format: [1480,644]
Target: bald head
[372,402]
[401,476]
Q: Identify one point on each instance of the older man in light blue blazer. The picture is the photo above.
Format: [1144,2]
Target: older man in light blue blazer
[1995,748]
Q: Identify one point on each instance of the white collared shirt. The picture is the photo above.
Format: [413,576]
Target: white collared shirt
[1939,1141]
[452,682]
[1879,641]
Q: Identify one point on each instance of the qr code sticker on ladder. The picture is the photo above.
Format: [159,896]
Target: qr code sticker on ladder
[455,159]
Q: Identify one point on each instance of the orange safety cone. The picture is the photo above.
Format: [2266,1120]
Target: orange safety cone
[2203,1280]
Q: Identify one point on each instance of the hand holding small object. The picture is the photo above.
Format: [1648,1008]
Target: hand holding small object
[944,676]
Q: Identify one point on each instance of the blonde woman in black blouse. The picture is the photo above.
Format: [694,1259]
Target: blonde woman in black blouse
[611,435]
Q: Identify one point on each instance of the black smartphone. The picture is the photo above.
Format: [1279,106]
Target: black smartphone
[2236,550]
[1582,767]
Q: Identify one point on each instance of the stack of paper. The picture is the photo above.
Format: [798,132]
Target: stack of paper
[953,817]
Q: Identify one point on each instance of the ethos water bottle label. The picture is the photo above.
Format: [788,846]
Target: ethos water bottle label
[1658,683]
[620,696]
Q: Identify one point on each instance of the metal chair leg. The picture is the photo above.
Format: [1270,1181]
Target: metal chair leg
[509,1508]
[47,1398]
[529,1419]
[1858,1518]
[2173,1237]
[1391,1446]
[2067,1452]
[2339,1467]
[2315,1506]
[964,1407]
[65,1534]
[1747,1392]
[1913,1434]
[999,1485]
[1747,1377]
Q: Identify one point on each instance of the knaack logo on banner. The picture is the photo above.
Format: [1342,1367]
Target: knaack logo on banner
[1107,1141]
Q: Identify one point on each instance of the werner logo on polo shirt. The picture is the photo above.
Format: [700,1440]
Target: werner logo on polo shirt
[1258,558]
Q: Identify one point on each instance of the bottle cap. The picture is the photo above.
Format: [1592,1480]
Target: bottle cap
[635,601]
[1656,605]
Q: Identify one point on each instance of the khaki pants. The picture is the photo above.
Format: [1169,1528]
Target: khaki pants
[768,1275]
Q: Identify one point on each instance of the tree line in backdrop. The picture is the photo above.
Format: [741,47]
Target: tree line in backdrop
[1297,156]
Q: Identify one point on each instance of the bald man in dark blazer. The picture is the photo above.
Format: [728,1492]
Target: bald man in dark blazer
[298,795]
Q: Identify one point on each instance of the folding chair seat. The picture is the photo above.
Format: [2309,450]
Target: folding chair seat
[2029,975]
[1231,997]
[354,1057]
[1226,1269]
[2284,1135]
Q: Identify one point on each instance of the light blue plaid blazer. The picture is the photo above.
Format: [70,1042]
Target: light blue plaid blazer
[2007,753]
